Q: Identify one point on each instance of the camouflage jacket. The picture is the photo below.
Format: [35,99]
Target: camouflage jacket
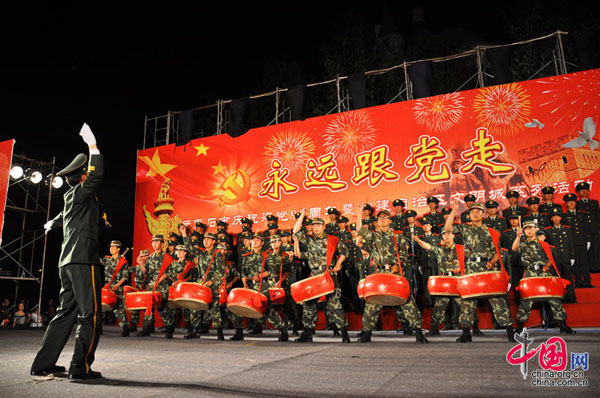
[141,277]
[478,243]
[110,265]
[534,258]
[447,259]
[383,248]
[153,266]
[274,264]
[316,251]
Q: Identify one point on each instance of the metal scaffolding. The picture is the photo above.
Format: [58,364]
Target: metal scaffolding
[23,250]
[163,130]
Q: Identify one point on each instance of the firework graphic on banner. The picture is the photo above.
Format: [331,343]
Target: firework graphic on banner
[570,104]
[438,114]
[504,109]
[348,134]
[291,148]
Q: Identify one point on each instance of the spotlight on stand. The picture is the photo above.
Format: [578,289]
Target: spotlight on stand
[36,177]
[57,182]
[16,172]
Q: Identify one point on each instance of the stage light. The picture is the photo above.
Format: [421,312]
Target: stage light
[16,172]
[57,182]
[36,177]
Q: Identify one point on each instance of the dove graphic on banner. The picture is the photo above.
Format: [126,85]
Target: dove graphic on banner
[589,131]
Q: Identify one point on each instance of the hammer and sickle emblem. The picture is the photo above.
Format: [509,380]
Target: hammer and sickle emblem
[233,192]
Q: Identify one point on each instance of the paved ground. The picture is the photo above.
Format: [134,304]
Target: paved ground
[391,366]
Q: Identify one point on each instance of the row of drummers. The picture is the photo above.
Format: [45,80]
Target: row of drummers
[263,280]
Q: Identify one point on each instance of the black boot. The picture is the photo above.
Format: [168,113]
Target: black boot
[203,329]
[257,329]
[169,331]
[476,331]
[144,332]
[238,336]
[283,335]
[295,330]
[365,336]
[345,337]
[564,328]
[466,336]
[125,332]
[519,327]
[434,331]
[510,333]
[191,334]
[220,336]
[132,328]
[336,331]
[407,330]
[420,338]
[306,336]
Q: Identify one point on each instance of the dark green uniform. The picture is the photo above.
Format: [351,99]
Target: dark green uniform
[447,260]
[110,265]
[153,265]
[498,223]
[562,239]
[577,220]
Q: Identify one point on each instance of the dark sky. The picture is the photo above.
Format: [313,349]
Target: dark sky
[110,64]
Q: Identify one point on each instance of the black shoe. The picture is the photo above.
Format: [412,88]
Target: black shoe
[345,337]
[85,376]
[564,328]
[220,336]
[306,336]
[50,370]
[519,327]
[125,331]
[434,331]
[204,329]
[257,329]
[497,326]
[407,330]
[510,333]
[294,331]
[364,336]
[191,334]
[144,332]
[238,336]
[477,331]
[132,328]
[283,335]
[420,338]
[169,332]
[465,337]
[336,331]
[152,330]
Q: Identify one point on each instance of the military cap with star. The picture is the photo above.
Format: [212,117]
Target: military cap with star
[210,235]
[512,194]
[533,200]
[582,185]
[570,197]
[410,213]
[548,190]
[258,236]
[446,210]
[246,228]
[470,198]
[333,210]
[353,226]
[398,202]
[318,221]
[555,211]
[196,234]
[115,243]
[477,205]
[272,225]
[76,164]
[540,232]
[529,224]
[181,247]
[158,237]
[384,213]
[246,220]
[272,218]
[426,220]
[274,238]
[367,207]
[221,223]
[308,221]
[246,235]
[512,214]
[343,219]
[433,199]
[284,234]
[200,225]
[491,204]
[144,253]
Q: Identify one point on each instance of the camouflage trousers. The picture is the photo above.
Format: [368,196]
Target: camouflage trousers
[193,318]
[135,318]
[558,311]
[236,321]
[439,309]
[499,308]
[119,311]
[410,313]
[335,311]
[213,313]
[166,314]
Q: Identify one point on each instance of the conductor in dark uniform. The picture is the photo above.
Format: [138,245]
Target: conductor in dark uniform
[81,274]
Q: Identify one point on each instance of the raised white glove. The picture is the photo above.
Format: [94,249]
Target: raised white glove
[588,245]
[509,285]
[572,262]
[87,135]
[48,226]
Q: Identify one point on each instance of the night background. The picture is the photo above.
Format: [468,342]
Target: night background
[111,64]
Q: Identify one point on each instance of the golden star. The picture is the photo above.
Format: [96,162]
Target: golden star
[202,150]
[155,166]
[218,169]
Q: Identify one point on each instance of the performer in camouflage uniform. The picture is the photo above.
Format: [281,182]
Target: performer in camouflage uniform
[481,255]
[316,253]
[537,262]
[389,251]
[140,282]
[120,279]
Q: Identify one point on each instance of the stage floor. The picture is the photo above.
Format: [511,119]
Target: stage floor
[391,366]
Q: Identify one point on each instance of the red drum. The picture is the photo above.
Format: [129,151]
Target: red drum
[386,289]
[482,285]
[128,289]
[247,302]
[541,288]
[222,296]
[109,299]
[137,300]
[190,295]
[170,303]
[277,295]
[442,285]
[360,288]
[313,287]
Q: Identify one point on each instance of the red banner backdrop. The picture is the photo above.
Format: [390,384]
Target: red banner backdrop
[520,136]
[6,151]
